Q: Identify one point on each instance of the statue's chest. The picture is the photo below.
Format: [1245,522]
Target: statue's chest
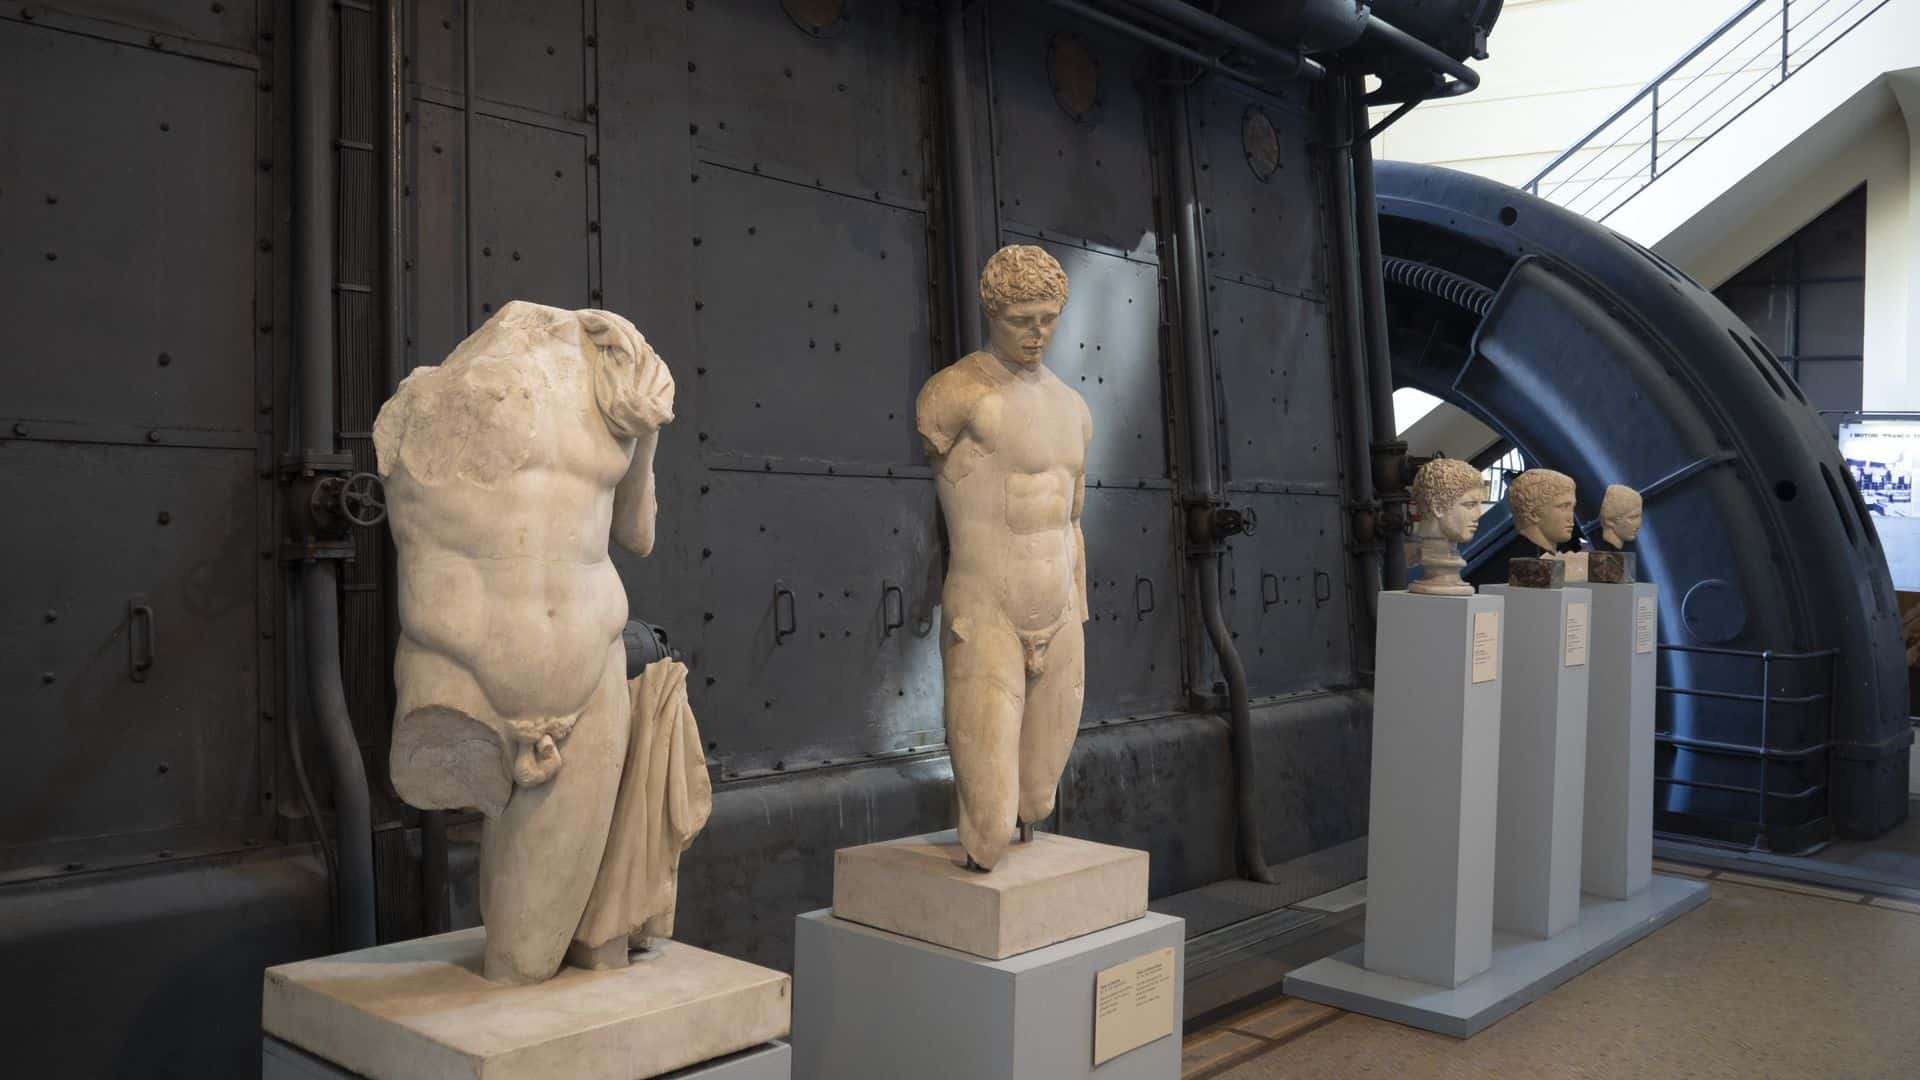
[1030,429]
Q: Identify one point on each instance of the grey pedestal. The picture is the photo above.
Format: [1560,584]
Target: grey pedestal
[1543,759]
[1617,841]
[1436,758]
[871,1005]
[1524,968]
[771,1061]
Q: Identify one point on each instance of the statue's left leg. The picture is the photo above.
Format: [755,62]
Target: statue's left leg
[1054,699]
[539,857]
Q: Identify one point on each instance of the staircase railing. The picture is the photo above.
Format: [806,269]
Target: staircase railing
[1760,47]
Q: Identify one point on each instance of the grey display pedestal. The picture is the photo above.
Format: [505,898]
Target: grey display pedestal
[873,1005]
[1543,758]
[771,1061]
[1436,760]
[1524,968]
[1617,845]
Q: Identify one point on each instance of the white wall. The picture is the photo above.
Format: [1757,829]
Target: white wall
[1556,69]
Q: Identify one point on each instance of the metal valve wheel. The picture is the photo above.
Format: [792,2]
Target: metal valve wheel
[360,499]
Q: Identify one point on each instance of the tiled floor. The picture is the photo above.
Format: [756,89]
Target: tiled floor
[1769,979]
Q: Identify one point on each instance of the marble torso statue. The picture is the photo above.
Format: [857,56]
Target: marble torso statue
[507,469]
[1009,441]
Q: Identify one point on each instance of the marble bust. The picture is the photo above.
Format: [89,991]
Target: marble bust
[508,468]
[1447,494]
[1008,443]
[1620,510]
[1542,505]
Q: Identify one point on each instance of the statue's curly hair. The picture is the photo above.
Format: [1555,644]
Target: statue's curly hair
[1018,273]
[1533,491]
[1442,481]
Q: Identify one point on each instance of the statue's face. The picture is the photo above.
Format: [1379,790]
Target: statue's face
[1460,519]
[1557,525]
[1625,526]
[1019,333]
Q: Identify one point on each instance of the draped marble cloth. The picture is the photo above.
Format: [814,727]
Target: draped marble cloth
[663,802]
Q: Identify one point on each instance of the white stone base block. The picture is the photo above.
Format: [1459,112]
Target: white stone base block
[1524,968]
[420,1010]
[1436,761]
[1543,759]
[870,1005]
[1042,892]
[1617,842]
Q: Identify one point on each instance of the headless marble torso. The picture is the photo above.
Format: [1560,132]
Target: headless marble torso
[507,468]
[1010,453]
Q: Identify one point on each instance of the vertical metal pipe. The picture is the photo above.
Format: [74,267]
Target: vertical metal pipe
[314,216]
[1373,307]
[467,20]
[1204,481]
[1203,472]
[1354,388]
[1653,145]
[963,204]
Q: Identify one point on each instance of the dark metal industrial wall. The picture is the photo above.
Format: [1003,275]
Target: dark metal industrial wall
[760,186]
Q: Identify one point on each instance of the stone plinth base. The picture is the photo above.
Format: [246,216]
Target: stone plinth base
[420,1010]
[1524,968]
[870,1005]
[1041,892]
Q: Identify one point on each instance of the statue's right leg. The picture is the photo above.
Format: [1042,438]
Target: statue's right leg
[986,694]
[540,856]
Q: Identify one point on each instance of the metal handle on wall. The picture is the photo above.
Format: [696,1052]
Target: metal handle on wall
[793,615]
[1266,600]
[139,661]
[888,623]
[1322,587]
[1141,611]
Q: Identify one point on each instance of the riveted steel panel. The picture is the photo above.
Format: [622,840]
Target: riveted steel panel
[1133,594]
[849,108]
[1287,595]
[1274,357]
[1107,346]
[108,748]
[815,671]
[529,53]
[230,23]
[812,306]
[530,222]
[1090,178]
[130,300]
[1268,231]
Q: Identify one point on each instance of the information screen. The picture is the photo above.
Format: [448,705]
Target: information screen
[1884,457]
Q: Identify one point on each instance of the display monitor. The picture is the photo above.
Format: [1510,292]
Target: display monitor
[1884,457]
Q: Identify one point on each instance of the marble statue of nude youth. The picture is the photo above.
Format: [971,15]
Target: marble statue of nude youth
[507,469]
[1008,441]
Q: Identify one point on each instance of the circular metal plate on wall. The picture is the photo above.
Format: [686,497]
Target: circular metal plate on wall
[1260,143]
[1075,76]
[821,18]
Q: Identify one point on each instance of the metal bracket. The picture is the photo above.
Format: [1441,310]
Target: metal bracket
[139,659]
[780,633]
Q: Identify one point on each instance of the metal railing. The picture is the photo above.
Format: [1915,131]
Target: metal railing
[1762,749]
[1760,47]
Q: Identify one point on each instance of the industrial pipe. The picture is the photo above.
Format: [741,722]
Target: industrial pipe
[1215,29]
[1373,296]
[1355,378]
[1157,41]
[319,586]
[1385,35]
[468,17]
[1204,482]
[963,208]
